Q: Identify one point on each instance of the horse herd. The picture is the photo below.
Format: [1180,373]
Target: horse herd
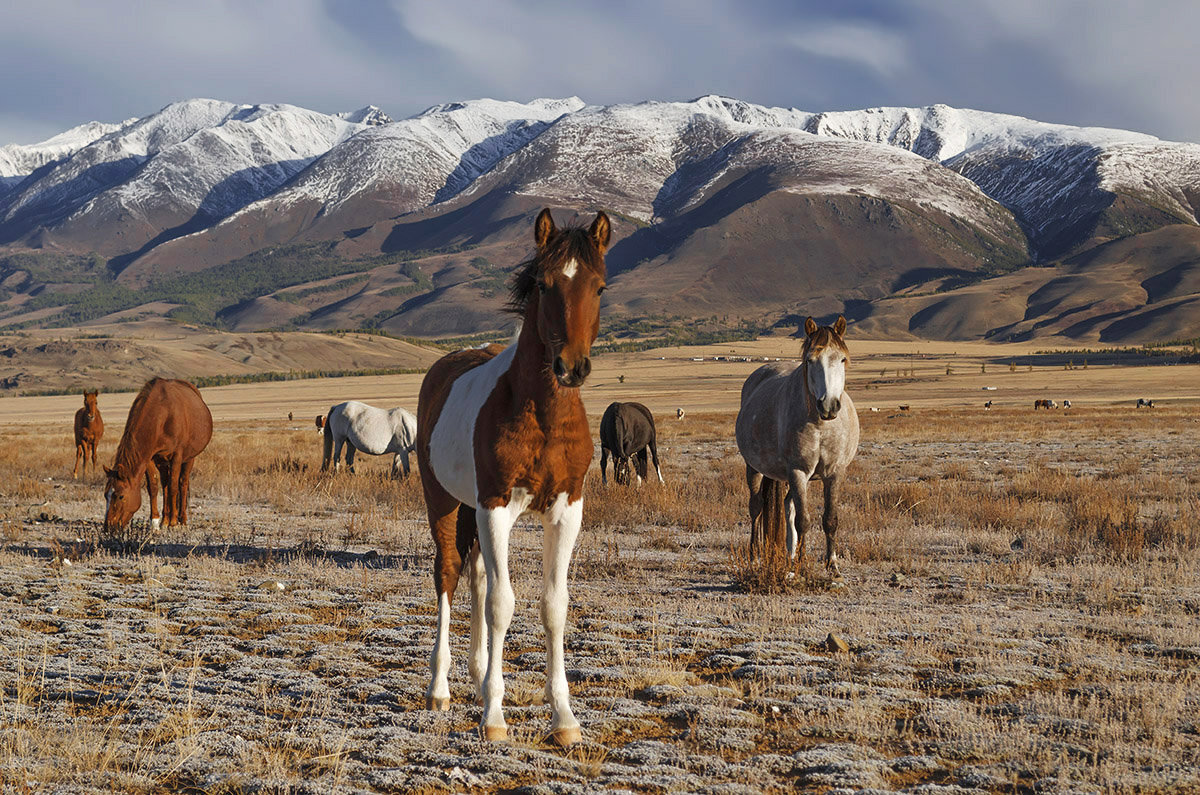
[501,431]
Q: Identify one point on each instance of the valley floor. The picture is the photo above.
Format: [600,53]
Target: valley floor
[1020,604]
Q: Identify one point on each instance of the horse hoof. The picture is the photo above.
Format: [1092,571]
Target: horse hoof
[565,738]
[494,734]
[437,704]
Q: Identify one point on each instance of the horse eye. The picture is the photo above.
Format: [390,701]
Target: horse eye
[843,360]
[542,288]
[601,290]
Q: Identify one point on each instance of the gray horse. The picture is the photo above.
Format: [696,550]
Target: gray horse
[796,423]
[370,430]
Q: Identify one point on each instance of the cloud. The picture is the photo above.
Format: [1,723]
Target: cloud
[1101,62]
[871,46]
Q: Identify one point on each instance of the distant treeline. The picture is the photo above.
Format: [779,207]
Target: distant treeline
[247,378]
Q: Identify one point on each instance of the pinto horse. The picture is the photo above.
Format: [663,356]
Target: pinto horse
[168,426]
[502,431]
[796,423]
[627,432]
[89,429]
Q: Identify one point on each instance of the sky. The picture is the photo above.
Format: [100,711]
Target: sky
[1112,63]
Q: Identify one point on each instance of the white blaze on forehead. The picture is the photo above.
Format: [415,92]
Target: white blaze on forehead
[570,269]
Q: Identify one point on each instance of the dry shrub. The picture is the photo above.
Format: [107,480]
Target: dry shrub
[770,573]
[1110,521]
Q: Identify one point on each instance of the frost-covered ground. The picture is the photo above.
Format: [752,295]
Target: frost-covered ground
[281,643]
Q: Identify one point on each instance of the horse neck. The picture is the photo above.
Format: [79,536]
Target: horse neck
[133,453]
[532,380]
[802,394]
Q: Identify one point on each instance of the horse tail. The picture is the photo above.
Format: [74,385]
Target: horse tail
[774,524]
[327,456]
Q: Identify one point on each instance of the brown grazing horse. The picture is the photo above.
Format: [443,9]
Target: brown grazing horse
[89,429]
[796,423]
[502,431]
[168,426]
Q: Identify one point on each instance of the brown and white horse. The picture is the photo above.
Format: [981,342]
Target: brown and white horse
[168,426]
[796,422]
[502,431]
[89,429]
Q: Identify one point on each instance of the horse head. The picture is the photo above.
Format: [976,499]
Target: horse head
[122,498]
[824,357]
[89,403]
[559,292]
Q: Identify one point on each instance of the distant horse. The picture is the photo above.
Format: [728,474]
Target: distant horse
[89,428]
[627,431]
[320,423]
[369,430]
[1145,403]
[679,414]
[796,422]
[987,406]
[1043,403]
[289,416]
[168,426]
[1066,404]
[503,431]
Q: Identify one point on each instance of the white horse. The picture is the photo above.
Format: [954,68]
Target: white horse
[369,430]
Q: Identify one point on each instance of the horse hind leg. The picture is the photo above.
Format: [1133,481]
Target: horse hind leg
[93,445]
[797,515]
[447,566]
[654,455]
[185,480]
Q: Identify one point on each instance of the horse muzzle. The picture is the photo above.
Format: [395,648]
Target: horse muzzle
[827,409]
[572,375]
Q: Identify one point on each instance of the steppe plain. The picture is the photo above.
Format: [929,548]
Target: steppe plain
[1020,602]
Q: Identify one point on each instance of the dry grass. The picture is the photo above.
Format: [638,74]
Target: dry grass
[1041,633]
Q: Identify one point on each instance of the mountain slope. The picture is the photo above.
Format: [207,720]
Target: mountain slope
[721,208]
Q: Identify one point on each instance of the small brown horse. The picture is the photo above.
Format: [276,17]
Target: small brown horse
[89,429]
[168,426]
[502,431]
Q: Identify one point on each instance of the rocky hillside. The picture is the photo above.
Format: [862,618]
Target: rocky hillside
[932,222]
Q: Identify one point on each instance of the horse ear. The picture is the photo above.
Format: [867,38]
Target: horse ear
[601,230]
[810,326]
[839,326]
[108,473]
[543,228]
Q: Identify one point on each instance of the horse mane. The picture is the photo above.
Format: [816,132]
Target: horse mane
[824,337]
[571,243]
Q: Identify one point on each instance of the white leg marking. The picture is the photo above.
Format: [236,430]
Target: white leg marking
[495,527]
[155,522]
[477,581]
[438,695]
[561,524]
[790,509]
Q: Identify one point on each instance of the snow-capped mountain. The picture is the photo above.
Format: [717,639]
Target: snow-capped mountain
[848,206]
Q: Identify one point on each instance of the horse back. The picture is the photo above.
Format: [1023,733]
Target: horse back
[171,419]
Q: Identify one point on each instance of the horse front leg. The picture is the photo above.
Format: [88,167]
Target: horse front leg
[153,477]
[830,523]
[495,527]
[93,446]
[754,480]
[561,524]
[797,514]
[80,453]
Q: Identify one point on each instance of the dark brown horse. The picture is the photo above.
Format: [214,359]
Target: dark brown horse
[89,429]
[502,431]
[627,432]
[168,426]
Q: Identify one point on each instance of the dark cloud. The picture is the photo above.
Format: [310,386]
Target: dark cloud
[1097,62]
